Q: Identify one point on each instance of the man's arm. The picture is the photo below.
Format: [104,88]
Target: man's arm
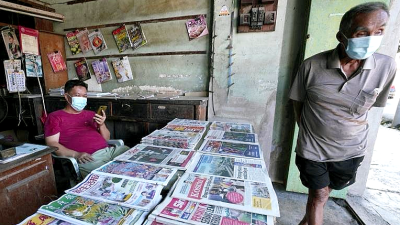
[100,120]
[81,157]
[298,107]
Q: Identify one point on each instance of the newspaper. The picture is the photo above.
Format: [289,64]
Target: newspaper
[42,219]
[231,149]
[184,128]
[157,155]
[232,136]
[158,220]
[176,139]
[231,193]
[196,213]
[186,122]
[232,127]
[238,168]
[137,171]
[115,190]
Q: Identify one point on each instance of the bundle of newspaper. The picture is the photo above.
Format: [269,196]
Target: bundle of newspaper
[186,122]
[232,127]
[176,139]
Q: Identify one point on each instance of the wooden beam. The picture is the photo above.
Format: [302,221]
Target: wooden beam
[38,5]
[6,24]
[79,1]
[12,7]
[141,55]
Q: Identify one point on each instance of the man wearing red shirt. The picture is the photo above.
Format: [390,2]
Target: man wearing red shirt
[79,133]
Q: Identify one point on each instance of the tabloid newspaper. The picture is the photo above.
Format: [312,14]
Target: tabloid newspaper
[232,136]
[186,122]
[158,220]
[238,168]
[41,219]
[180,210]
[232,127]
[84,42]
[235,149]
[231,193]
[184,128]
[158,155]
[79,210]
[137,171]
[175,139]
[120,191]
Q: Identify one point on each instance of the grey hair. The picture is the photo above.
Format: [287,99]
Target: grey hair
[347,19]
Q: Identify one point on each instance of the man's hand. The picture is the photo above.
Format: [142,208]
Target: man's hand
[83,157]
[100,119]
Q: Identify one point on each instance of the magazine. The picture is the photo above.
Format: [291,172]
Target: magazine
[33,65]
[231,148]
[232,127]
[41,219]
[120,191]
[15,80]
[158,220]
[136,171]
[83,39]
[12,44]
[122,38]
[137,36]
[101,70]
[197,27]
[176,139]
[56,61]
[97,41]
[231,136]
[73,42]
[186,122]
[29,40]
[205,214]
[82,69]
[80,210]
[122,69]
[157,155]
[238,168]
[182,128]
[231,193]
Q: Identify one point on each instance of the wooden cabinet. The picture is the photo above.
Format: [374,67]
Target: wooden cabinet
[131,119]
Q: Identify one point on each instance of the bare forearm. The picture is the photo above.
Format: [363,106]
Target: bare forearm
[63,151]
[105,133]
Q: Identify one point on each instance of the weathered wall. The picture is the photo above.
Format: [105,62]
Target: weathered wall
[182,72]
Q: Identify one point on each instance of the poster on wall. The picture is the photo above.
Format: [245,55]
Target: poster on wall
[29,40]
[73,42]
[57,61]
[12,44]
[83,39]
[101,70]
[97,41]
[137,36]
[33,65]
[197,27]
[122,69]
[82,69]
[121,38]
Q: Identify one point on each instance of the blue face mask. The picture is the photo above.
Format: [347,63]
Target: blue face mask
[78,103]
[362,47]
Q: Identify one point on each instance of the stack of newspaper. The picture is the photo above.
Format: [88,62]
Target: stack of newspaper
[226,183]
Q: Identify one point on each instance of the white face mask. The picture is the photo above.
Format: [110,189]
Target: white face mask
[362,47]
[78,103]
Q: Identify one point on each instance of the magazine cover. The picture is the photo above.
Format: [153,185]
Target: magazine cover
[231,148]
[101,70]
[175,139]
[73,42]
[231,193]
[84,42]
[122,38]
[97,41]
[232,127]
[13,64]
[136,171]
[238,168]
[206,214]
[41,219]
[157,155]
[33,65]
[122,69]
[197,27]
[186,122]
[82,69]
[15,80]
[12,44]
[57,61]
[29,40]
[120,191]
[232,136]
[182,128]
[138,39]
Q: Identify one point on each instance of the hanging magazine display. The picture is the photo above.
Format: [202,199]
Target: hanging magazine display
[121,191]
[197,27]
[80,210]
[29,40]
[231,136]
[82,69]
[138,39]
[122,38]
[73,42]
[33,65]
[84,42]
[56,61]
[232,127]
[122,69]
[97,41]
[41,219]
[12,44]
[101,70]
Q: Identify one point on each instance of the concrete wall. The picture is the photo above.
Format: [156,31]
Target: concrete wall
[181,73]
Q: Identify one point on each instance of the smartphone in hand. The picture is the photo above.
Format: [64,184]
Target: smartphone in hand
[102,107]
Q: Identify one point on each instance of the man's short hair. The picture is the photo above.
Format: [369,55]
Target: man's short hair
[347,19]
[73,83]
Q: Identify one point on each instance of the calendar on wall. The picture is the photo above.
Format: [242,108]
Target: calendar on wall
[15,80]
